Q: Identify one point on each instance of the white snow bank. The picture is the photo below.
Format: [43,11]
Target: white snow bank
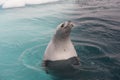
[13,3]
[38,1]
[2,1]
[21,3]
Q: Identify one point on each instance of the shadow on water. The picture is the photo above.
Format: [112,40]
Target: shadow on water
[95,65]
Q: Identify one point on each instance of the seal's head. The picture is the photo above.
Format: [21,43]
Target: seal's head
[64,29]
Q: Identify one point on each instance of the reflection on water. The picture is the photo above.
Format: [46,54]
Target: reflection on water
[25,33]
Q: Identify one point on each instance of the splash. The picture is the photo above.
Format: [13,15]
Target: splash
[31,58]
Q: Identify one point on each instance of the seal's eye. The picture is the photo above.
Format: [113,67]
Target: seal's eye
[62,25]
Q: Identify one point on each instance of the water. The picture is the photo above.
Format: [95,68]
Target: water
[26,31]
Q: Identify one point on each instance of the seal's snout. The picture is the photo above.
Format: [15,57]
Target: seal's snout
[67,24]
[70,23]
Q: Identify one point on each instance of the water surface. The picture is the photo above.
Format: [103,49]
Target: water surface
[26,31]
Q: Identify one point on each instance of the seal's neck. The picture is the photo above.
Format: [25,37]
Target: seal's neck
[59,39]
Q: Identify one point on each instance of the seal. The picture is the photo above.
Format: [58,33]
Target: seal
[60,57]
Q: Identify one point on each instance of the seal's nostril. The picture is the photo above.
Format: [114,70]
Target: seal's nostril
[69,22]
[72,25]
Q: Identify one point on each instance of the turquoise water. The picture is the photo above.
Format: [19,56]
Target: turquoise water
[26,31]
